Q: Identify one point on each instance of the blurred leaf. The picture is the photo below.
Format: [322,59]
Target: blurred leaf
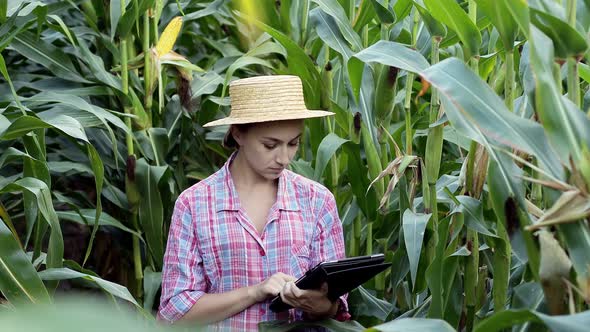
[329,324]
[566,40]
[414,227]
[402,9]
[109,287]
[505,24]
[76,313]
[212,8]
[19,281]
[520,13]
[568,323]
[326,151]
[584,71]
[385,16]
[414,325]
[364,15]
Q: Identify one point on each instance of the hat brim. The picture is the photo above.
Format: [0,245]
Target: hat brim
[307,114]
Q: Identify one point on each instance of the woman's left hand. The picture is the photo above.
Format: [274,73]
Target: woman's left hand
[314,302]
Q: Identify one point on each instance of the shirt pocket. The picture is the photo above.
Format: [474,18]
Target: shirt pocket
[300,261]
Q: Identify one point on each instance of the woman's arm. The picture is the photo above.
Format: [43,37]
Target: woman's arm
[211,308]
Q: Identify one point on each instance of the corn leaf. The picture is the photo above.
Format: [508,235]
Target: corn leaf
[19,281]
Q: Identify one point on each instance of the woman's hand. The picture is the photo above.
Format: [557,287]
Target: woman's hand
[314,303]
[270,287]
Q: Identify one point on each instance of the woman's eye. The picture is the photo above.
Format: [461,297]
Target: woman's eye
[294,143]
[270,147]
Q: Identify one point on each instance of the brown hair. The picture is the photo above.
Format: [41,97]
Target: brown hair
[229,141]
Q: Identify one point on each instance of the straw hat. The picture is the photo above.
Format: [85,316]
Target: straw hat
[267,98]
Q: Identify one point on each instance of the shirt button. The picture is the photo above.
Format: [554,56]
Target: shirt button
[262,253]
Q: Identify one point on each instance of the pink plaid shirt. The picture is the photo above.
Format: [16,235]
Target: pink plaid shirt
[214,248]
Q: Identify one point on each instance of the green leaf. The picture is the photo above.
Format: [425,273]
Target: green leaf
[47,55]
[115,15]
[4,71]
[151,283]
[328,31]
[385,16]
[568,323]
[96,65]
[365,13]
[301,325]
[414,325]
[67,125]
[326,151]
[402,8]
[151,210]
[109,287]
[520,13]
[488,118]
[584,71]
[86,217]
[22,126]
[414,227]
[3,9]
[206,84]
[333,8]
[395,55]
[42,196]
[299,64]
[452,15]
[435,28]
[212,8]
[505,24]
[19,281]
[78,313]
[566,126]
[473,211]
[368,305]
[568,42]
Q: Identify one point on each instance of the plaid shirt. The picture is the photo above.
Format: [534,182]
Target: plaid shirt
[214,248]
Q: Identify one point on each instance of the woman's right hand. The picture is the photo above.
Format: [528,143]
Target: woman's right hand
[271,286]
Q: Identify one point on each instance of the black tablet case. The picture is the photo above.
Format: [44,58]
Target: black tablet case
[342,276]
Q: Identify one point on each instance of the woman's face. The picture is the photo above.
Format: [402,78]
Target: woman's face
[269,147]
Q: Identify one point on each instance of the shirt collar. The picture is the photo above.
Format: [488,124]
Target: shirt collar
[286,193]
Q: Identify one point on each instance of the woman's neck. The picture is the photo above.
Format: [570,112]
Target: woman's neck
[245,177]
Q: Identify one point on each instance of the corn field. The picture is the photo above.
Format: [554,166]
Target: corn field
[460,149]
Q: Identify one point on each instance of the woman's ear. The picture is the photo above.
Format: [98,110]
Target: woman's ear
[237,135]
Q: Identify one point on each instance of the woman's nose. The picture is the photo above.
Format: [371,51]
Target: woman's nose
[283,156]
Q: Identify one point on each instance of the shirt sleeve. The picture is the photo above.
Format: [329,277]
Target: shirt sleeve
[328,242]
[183,280]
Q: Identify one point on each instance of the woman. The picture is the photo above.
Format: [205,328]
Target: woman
[244,234]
